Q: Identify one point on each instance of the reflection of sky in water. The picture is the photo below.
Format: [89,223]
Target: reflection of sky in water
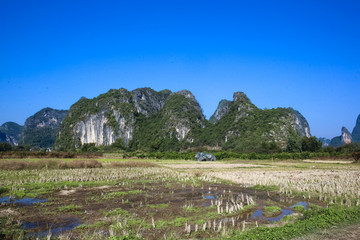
[284,212]
[25,201]
[259,214]
[54,231]
[209,197]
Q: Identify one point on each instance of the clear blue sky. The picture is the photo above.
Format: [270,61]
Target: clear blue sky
[300,54]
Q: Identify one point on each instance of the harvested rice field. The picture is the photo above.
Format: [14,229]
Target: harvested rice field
[154,199]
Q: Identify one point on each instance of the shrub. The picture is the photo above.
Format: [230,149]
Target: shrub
[81,164]
[48,164]
[356,156]
[4,147]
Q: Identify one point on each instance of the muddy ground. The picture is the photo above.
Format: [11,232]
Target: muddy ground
[150,209]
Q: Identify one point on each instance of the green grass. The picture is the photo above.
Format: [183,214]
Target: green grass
[299,208]
[162,224]
[113,195]
[70,208]
[311,222]
[32,190]
[117,212]
[95,225]
[272,188]
[193,209]
[179,221]
[271,211]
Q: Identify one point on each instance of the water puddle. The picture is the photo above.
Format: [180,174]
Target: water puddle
[258,214]
[285,212]
[52,228]
[224,201]
[23,201]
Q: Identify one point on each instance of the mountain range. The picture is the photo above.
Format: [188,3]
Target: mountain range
[144,119]
[346,137]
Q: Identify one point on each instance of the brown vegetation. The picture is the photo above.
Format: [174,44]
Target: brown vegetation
[48,164]
[81,164]
[29,154]
[131,164]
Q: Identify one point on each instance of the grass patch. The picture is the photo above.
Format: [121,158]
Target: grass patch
[35,189]
[70,208]
[4,190]
[272,188]
[314,206]
[9,226]
[312,221]
[299,208]
[192,209]
[270,211]
[97,225]
[113,195]
[117,212]
[179,221]
[162,224]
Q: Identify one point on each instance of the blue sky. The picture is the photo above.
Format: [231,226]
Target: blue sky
[300,54]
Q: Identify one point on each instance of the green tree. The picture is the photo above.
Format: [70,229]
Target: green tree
[118,144]
[310,144]
[294,142]
[4,147]
[89,147]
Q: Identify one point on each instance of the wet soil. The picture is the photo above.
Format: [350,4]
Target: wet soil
[169,206]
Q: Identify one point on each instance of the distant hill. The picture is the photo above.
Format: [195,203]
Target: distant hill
[356,131]
[325,141]
[144,119]
[244,127]
[10,132]
[40,130]
[346,137]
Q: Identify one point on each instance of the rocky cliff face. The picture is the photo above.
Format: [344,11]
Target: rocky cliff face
[243,105]
[299,123]
[240,124]
[98,129]
[221,111]
[344,138]
[183,113]
[46,117]
[356,131]
[11,133]
[172,127]
[40,129]
[165,121]
[109,117]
